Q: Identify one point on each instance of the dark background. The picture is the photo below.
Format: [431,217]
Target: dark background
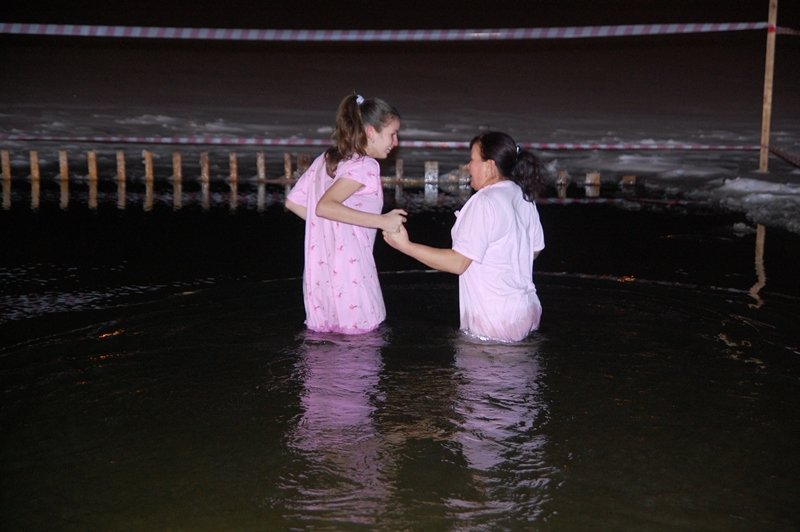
[370,14]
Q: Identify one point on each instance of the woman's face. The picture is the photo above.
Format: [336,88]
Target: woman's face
[482,173]
[381,143]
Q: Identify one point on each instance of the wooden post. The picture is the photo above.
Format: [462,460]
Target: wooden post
[63,165]
[177,195]
[233,164]
[148,166]
[121,180]
[35,188]
[35,180]
[287,166]
[204,180]
[592,184]
[121,166]
[261,169]
[464,182]
[204,173]
[766,112]
[34,156]
[5,164]
[91,162]
[287,171]
[303,162]
[177,170]
[398,181]
[6,193]
[431,172]
[562,183]
[234,197]
[148,195]
[177,181]
[64,195]
[261,166]
[431,181]
[148,180]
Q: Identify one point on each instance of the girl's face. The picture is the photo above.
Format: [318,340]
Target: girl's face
[381,143]
[482,173]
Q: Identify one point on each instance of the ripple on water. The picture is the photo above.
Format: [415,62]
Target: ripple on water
[627,409]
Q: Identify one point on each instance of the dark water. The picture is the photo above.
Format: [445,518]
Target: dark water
[156,375]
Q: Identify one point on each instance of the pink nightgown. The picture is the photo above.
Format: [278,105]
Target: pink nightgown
[500,232]
[341,291]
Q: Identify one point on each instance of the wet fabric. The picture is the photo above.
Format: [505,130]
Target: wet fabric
[341,291]
[500,232]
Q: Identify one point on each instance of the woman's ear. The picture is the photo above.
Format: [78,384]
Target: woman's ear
[493,168]
[371,132]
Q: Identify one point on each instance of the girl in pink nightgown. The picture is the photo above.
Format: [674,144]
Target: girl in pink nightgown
[496,237]
[340,197]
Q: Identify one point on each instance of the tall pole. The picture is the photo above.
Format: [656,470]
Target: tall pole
[766,113]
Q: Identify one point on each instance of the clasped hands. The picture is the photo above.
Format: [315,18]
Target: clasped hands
[398,236]
[394,220]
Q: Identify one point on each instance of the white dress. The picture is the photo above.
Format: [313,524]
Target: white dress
[500,232]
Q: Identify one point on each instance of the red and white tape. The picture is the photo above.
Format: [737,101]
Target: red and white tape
[590,146]
[286,35]
[588,201]
[437,144]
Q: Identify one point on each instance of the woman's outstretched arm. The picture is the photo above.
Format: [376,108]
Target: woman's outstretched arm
[442,259]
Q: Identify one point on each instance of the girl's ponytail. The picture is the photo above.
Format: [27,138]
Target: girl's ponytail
[349,137]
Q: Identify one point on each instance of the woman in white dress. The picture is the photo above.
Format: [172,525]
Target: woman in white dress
[496,237]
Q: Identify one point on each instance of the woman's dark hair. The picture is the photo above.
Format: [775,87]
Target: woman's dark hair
[349,137]
[516,164]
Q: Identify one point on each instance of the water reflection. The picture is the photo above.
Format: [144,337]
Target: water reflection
[64,194]
[121,194]
[335,436]
[93,194]
[6,193]
[177,193]
[501,431]
[380,438]
[761,275]
[35,191]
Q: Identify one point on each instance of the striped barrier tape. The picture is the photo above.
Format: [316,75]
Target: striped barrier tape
[288,35]
[786,31]
[591,146]
[791,158]
[299,142]
[590,201]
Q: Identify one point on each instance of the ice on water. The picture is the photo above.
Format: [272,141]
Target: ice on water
[692,91]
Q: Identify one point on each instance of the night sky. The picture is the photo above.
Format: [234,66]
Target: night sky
[373,14]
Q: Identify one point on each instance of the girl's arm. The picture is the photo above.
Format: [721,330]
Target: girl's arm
[442,259]
[296,208]
[331,206]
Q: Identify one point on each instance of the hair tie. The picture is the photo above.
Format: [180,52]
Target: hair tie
[359,99]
